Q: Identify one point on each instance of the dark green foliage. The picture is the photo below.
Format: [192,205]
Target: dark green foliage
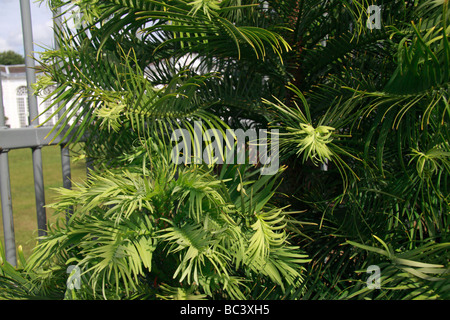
[10,58]
[364,147]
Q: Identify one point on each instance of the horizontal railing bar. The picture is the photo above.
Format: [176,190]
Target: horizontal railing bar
[29,138]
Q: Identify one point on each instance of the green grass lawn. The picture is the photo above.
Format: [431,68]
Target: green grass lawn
[22,191]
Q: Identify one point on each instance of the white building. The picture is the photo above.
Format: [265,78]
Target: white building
[15,98]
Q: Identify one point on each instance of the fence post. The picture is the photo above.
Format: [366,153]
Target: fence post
[5,194]
[65,153]
[34,112]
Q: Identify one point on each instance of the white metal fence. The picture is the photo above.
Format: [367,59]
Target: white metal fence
[32,137]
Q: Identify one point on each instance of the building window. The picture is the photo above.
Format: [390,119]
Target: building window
[46,105]
[22,105]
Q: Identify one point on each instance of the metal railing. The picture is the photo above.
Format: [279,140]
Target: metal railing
[32,137]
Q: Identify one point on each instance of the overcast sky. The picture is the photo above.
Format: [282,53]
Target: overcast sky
[11,26]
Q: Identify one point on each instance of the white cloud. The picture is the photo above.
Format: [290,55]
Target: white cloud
[11,26]
[43,35]
[5,45]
